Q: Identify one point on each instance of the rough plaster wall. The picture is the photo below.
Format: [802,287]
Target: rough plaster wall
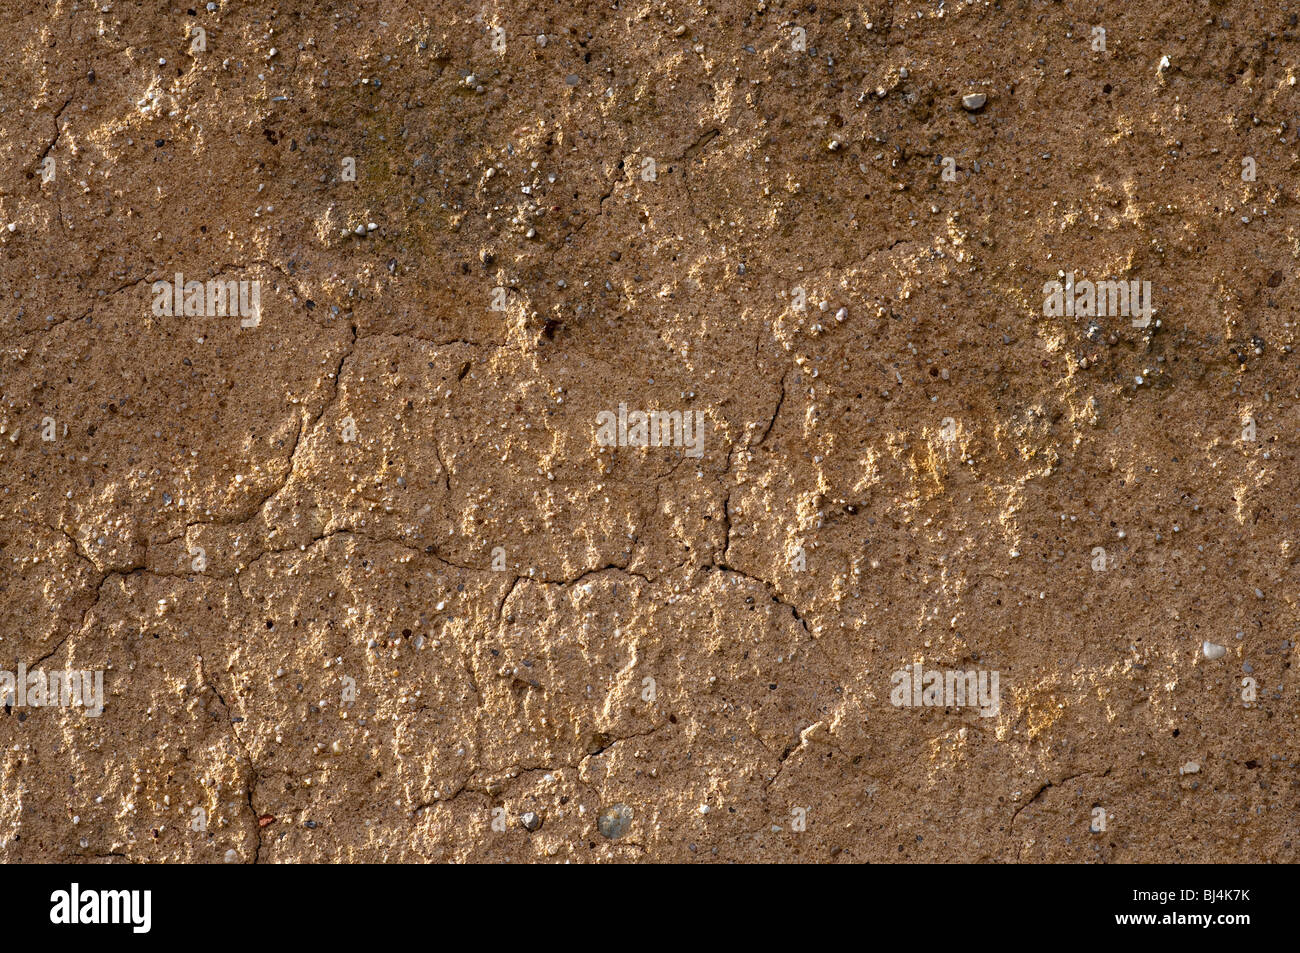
[918,467]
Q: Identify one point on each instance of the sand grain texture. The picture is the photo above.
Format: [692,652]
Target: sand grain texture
[943,456]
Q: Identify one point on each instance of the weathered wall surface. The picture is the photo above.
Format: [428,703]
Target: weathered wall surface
[367,567]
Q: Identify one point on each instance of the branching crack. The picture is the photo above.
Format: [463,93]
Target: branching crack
[252,769]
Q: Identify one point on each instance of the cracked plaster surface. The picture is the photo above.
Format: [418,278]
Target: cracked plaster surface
[517,682]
